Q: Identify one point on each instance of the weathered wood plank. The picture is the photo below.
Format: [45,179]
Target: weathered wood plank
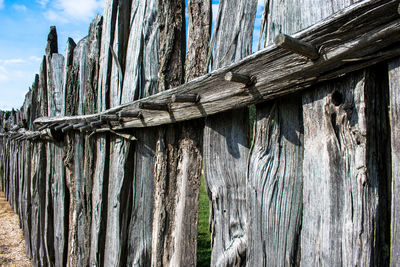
[39,179]
[90,107]
[275,168]
[345,193]
[100,179]
[394,82]
[53,175]
[349,44]
[143,41]
[189,146]
[120,169]
[174,238]
[80,63]
[226,142]
[274,191]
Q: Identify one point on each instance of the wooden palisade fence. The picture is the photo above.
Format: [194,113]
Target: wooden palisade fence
[104,159]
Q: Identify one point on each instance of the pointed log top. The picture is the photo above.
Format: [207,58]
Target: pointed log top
[52,44]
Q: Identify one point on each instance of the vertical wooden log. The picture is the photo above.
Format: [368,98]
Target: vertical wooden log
[29,194]
[75,181]
[394,82]
[274,191]
[295,15]
[171,16]
[189,163]
[39,179]
[345,217]
[226,142]
[279,244]
[80,62]
[54,76]
[275,173]
[142,63]
[120,167]
[100,179]
[90,156]
[55,167]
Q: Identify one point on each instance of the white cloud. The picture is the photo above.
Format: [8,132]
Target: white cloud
[55,16]
[1,4]
[261,2]
[19,7]
[35,59]
[11,61]
[73,10]
[3,74]
[214,11]
[43,3]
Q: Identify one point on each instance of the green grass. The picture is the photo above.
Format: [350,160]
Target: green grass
[204,237]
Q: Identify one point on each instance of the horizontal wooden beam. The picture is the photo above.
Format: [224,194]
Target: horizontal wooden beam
[364,34]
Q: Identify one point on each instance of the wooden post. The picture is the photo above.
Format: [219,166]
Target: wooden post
[141,222]
[394,82]
[120,179]
[226,142]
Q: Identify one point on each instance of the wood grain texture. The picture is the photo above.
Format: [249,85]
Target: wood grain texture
[144,83]
[189,146]
[274,191]
[226,142]
[349,43]
[54,166]
[100,179]
[141,221]
[90,107]
[171,73]
[79,211]
[121,153]
[394,82]
[346,177]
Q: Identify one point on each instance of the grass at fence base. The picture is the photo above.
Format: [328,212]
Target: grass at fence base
[204,237]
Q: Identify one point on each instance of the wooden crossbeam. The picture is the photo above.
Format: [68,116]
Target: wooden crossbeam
[359,36]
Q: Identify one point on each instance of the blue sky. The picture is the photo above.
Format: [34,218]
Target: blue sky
[24,26]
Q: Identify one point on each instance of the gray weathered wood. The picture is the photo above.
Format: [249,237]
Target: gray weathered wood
[183,98]
[100,178]
[171,73]
[90,156]
[274,190]
[154,106]
[120,169]
[348,44]
[80,60]
[189,152]
[141,221]
[345,193]
[54,168]
[226,142]
[394,82]
[40,166]
[299,47]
